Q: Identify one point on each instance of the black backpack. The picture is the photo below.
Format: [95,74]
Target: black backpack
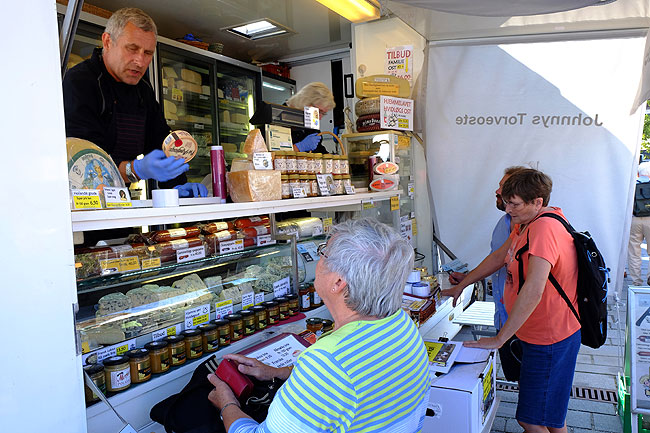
[642,200]
[593,277]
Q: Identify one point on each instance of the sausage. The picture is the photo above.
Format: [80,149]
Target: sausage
[217,226]
[171,234]
[167,250]
[242,223]
[255,231]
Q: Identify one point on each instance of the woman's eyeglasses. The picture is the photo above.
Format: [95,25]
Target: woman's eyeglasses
[321,250]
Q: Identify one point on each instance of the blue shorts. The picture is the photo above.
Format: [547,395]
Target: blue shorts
[545,381]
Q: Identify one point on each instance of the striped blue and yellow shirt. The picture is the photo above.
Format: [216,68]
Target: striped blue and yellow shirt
[367,376]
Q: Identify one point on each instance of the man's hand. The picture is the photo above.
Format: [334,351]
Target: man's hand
[155,165]
[456,277]
[454,292]
[221,395]
[257,369]
[191,189]
[485,343]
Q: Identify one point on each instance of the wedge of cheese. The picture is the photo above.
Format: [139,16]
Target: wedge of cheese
[254,185]
[169,72]
[170,107]
[387,85]
[241,164]
[254,143]
[191,76]
[205,90]
[189,86]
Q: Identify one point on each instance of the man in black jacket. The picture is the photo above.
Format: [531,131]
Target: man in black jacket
[107,102]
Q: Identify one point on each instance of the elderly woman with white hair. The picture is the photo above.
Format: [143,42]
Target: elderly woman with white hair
[370,373]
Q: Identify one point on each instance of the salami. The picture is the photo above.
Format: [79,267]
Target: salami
[243,223]
[171,234]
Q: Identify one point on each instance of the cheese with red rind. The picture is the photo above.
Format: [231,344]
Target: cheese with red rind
[187,149]
[386,168]
[382,184]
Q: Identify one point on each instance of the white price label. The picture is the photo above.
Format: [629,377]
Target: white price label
[265,240]
[198,126]
[247,300]
[86,199]
[281,287]
[197,316]
[162,333]
[318,230]
[262,161]
[223,308]
[171,122]
[325,184]
[299,191]
[312,118]
[189,254]
[259,298]
[231,246]
[411,189]
[116,349]
[349,189]
[117,197]
[204,97]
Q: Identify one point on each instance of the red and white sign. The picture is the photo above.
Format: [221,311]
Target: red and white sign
[399,62]
[396,113]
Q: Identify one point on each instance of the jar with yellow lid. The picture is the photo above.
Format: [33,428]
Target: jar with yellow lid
[310,163]
[318,163]
[158,356]
[248,316]
[338,184]
[347,181]
[286,186]
[225,334]
[294,182]
[315,325]
[117,373]
[291,162]
[304,181]
[209,337]
[280,162]
[313,186]
[236,326]
[176,349]
[336,164]
[193,343]
[327,163]
[302,162]
[344,165]
[283,307]
[260,317]
[96,373]
[140,365]
[294,305]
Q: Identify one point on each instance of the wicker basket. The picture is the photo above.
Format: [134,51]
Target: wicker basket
[197,44]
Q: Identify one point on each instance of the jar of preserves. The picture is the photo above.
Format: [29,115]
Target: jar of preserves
[294,305]
[260,317]
[345,165]
[310,163]
[280,162]
[422,270]
[158,356]
[294,182]
[286,187]
[338,184]
[248,316]
[139,364]
[117,373]
[328,325]
[283,307]
[176,349]
[305,298]
[209,337]
[313,186]
[193,343]
[318,162]
[315,325]
[336,164]
[347,182]
[304,182]
[302,162]
[96,373]
[291,162]
[315,299]
[236,326]
[327,163]
[225,335]
[272,312]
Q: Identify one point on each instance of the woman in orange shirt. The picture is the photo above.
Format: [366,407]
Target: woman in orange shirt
[540,318]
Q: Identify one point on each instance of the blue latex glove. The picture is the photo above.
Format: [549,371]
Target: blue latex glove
[192,190]
[309,143]
[155,165]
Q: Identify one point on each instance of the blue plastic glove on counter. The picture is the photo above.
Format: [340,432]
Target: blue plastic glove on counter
[309,143]
[155,165]
[192,190]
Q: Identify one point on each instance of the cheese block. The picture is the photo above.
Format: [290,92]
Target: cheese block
[180,144]
[231,293]
[141,296]
[205,90]
[191,76]
[254,143]
[387,85]
[367,106]
[254,185]
[190,283]
[169,107]
[171,116]
[239,118]
[369,122]
[113,303]
[188,86]
[169,72]
[229,147]
[90,167]
[215,283]
[240,164]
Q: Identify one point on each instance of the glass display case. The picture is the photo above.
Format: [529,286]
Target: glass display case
[277,89]
[186,93]
[86,39]
[360,147]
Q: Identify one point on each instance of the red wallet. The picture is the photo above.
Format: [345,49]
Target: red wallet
[240,384]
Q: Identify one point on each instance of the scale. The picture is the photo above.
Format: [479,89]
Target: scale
[308,259]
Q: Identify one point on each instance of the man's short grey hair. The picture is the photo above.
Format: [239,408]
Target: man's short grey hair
[375,262]
[121,17]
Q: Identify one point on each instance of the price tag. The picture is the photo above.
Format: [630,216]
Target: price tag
[312,118]
[110,266]
[247,300]
[262,161]
[86,199]
[406,230]
[85,347]
[162,333]
[197,316]
[129,264]
[265,240]
[368,205]
[171,122]
[394,203]
[325,184]
[117,197]
[189,254]
[116,349]
[349,189]
[318,230]
[414,227]
[151,263]
[259,298]
[223,308]
[327,223]
[231,246]
[411,189]
[281,287]
[299,192]
[198,126]
[177,95]
[204,97]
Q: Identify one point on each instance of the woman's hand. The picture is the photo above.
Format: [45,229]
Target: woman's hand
[485,343]
[454,292]
[257,369]
[221,395]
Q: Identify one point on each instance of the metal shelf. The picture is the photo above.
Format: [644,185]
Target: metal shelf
[117,218]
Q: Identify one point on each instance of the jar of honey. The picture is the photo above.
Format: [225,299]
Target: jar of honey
[158,356]
[225,335]
[283,307]
[96,373]
[248,316]
[315,325]
[280,162]
[193,343]
[236,326]
[176,349]
[260,317]
[294,305]
[272,312]
[291,162]
[139,364]
[209,337]
[117,373]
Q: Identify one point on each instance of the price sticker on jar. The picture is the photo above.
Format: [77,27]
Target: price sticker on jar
[197,316]
[247,300]
[259,298]
[231,246]
[281,287]
[223,308]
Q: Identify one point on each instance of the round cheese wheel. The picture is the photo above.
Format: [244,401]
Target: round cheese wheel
[367,106]
[386,168]
[90,167]
[383,184]
[180,144]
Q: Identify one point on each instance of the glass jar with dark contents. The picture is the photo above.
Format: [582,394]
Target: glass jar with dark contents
[316,301]
[224,331]
[260,317]
[328,325]
[117,373]
[272,312]
[140,365]
[158,356]
[294,305]
[209,337]
[96,373]
[315,325]
[304,298]
[176,349]
[236,326]
[193,343]
[283,307]
[248,316]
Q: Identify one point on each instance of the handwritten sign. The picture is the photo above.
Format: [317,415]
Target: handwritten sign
[281,287]
[247,300]
[396,113]
[223,308]
[197,316]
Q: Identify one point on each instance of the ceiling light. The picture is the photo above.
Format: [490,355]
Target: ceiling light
[356,11]
[258,29]
[273,86]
